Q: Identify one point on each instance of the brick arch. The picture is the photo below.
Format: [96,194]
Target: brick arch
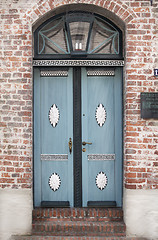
[43,8]
[118,12]
[139,54]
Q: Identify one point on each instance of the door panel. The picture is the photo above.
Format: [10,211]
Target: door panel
[99,90]
[97,171]
[54,91]
[94,193]
[52,156]
[99,160]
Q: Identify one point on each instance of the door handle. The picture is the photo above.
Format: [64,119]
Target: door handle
[84,143]
[70,145]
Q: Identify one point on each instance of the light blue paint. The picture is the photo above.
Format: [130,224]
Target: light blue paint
[107,139]
[61,168]
[37,138]
[50,140]
[94,193]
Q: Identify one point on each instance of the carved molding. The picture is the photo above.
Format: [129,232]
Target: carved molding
[54,157]
[100,115]
[101,72]
[54,181]
[54,115]
[101,157]
[54,73]
[99,63]
[101,180]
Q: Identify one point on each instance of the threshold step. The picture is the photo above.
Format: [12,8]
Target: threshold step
[69,228]
[39,237]
[77,214]
[71,238]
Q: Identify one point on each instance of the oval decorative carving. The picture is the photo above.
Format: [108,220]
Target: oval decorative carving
[101,180]
[54,181]
[54,115]
[100,115]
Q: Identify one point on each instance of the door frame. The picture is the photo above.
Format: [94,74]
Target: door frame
[77,64]
[117,82]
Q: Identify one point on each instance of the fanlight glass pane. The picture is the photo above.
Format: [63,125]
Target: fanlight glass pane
[104,38]
[79,35]
[52,38]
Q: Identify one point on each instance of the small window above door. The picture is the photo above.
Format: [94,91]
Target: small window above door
[79,35]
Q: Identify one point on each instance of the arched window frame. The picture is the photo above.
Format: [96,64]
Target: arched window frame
[71,54]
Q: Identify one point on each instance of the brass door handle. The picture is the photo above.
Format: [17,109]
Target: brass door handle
[70,145]
[84,143]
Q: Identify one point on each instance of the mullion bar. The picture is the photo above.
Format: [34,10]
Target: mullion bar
[77,145]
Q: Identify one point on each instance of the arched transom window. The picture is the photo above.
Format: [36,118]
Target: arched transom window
[78,34]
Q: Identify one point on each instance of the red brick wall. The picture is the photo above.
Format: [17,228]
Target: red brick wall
[140,136]
[15,98]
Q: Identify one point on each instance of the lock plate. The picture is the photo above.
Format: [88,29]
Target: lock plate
[70,145]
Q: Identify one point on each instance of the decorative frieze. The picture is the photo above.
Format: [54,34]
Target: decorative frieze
[101,157]
[54,157]
[101,72]
[81,63]
[54,73]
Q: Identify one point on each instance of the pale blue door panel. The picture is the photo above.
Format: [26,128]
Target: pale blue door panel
[105,135]
[108,192]
[52,159]
[100,91]
[51,151]
[54,91]
[37,138]
[61,168]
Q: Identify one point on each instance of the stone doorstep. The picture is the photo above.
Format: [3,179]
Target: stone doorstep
[70,238]
[69,228]
[78,214]
[77,224]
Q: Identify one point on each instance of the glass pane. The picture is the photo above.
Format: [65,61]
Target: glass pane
[79,34]
[104,38]
[52,38]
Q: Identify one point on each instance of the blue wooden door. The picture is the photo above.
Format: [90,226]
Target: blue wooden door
[101,137]
[53,124]
[55,179]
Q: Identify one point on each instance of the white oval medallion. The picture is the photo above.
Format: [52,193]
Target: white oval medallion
[100,114]
[54,115]
[101,180]
[54,182]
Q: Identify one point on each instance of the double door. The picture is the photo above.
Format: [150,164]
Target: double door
[77,137]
